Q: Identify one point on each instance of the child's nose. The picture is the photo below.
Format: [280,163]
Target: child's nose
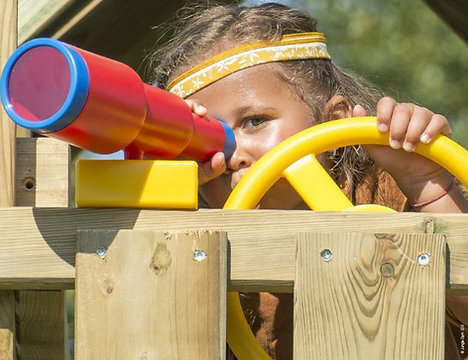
[238,160]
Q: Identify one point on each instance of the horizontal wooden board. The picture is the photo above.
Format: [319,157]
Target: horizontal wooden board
[38,244]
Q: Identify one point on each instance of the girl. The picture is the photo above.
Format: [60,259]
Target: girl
[266,72]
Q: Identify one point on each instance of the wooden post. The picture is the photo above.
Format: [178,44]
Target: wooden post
[8,43]
[42,172]
[376,296]
[150,295]
[42,179]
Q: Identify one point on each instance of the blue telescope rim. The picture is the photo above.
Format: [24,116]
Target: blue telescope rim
[230,140]
[76,97]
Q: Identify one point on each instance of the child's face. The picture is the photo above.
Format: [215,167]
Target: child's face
[263,110]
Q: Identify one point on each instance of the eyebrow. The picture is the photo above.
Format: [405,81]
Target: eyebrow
[243,110]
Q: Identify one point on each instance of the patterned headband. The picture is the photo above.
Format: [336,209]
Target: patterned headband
[299,46]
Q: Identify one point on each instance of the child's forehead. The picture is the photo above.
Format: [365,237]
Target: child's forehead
[258,83]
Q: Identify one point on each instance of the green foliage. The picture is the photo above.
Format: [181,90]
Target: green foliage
[403,47]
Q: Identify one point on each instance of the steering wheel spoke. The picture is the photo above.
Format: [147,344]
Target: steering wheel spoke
[306,172]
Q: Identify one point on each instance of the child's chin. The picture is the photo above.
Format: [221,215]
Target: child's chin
[282,197]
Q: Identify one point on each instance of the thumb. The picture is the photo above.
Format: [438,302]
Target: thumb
[212,168]
[359,111]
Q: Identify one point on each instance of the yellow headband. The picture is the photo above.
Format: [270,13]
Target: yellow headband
[299,46]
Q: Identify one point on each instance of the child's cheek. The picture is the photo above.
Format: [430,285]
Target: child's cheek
[268,140]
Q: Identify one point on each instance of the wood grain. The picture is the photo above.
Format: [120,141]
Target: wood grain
[7,326]
[8,43]
[42,327]
[38,244]
[348,308]
[34,15]
[42,179]
[42,172]
[142,295]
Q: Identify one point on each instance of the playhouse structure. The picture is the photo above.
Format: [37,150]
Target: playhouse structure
[153,284]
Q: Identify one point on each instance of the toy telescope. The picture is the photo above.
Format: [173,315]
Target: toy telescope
[103,106]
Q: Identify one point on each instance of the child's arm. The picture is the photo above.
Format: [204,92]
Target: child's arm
[426,185]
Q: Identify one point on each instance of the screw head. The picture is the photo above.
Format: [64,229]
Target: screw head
[387,270]
[101,251]
[199,255]
[424,259]
[326,254]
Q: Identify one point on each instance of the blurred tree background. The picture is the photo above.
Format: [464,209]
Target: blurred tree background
[403,47]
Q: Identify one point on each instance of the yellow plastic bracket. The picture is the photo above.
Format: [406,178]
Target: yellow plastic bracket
[154,184]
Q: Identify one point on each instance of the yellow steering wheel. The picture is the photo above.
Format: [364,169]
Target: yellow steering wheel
[295,159]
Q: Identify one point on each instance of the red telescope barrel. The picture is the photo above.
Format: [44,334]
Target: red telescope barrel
[102,105]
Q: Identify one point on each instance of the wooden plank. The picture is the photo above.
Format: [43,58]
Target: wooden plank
[8,43]
[454,13]
[79,16]
[34,15]
[38,244]
[151,295]
[371,298]
[42,172]
[42,179]
[42,330]
[7,325]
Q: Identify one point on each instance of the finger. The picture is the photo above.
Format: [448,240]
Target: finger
[438,125]
[385,108]
[212,168]
[197,108]
[420,118]
[399,124]
[359,111]
[200,110]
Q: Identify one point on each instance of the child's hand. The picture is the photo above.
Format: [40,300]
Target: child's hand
[217,164]
[419,178]
[409,124]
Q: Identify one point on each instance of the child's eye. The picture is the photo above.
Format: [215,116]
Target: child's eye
[255,121]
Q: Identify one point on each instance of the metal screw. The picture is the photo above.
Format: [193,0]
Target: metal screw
[101,252]
[199,255]
[326,254]
[387,269]
[424,259]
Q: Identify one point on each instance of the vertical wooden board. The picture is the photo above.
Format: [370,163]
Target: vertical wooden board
[7,325]
[142,294]
[41,326]
[42,172]
[8,43]
[345,308]
[42,179]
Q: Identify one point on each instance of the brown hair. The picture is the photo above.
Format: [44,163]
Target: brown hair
[208,31]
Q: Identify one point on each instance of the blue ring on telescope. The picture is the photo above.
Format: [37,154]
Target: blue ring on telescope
[75,100]
[230,142]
